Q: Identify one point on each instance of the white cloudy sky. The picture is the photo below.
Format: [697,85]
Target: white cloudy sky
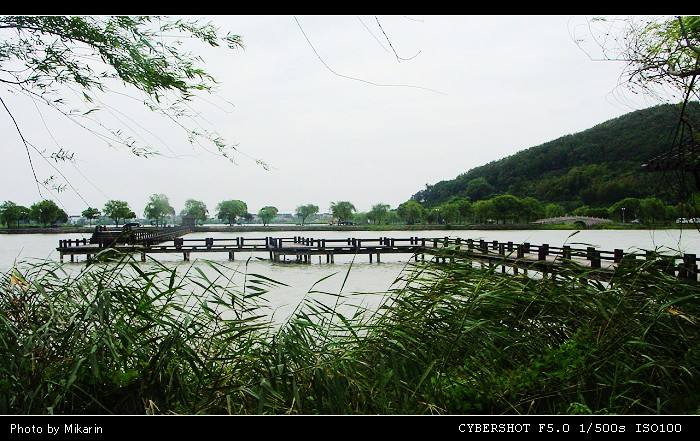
[336,115]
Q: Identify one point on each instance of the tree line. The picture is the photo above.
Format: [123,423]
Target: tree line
[501,209]
[159,210]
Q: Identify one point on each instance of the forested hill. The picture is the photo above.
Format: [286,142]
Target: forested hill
[596,167]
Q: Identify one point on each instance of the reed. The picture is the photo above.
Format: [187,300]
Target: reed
[126,337]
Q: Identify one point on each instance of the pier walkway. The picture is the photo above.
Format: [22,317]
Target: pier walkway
[526,256]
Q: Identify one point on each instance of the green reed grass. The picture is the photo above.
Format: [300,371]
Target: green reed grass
[448,338]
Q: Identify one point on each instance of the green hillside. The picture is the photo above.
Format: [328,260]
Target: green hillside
[596,167]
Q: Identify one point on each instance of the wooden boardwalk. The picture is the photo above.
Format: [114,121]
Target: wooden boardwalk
[600,264]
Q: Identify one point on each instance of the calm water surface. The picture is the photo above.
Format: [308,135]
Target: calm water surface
[357,279]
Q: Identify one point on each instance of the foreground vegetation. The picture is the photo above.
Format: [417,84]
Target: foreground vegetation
[134,338]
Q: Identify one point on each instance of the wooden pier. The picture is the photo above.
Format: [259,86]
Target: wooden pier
[544,258]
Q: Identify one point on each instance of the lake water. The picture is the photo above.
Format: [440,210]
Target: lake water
[359,280]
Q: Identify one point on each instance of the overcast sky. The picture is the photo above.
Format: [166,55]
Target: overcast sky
[341,109]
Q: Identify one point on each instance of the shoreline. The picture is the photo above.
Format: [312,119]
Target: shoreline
[325,227]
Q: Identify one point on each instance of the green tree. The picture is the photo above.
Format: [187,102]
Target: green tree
[392,217]
[450,212]
[411,212]
[46,212]
[478,189]
[11,213]
[626,210]
[507,207]
[231,209]
[553,210]
[158,208]
[116,209]
[378,213]
[90,214]
[360,218]
[195,208]
[484,211]
[267,214]
[531,209]
[53,58]
[342,210]
[652,210]
[304,212]
[465,209]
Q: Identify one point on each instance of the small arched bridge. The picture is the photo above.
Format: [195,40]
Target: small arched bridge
[588,221]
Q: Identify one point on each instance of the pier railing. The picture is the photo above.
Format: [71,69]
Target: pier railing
[538,256]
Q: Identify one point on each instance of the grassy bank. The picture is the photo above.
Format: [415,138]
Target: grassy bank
[126,338]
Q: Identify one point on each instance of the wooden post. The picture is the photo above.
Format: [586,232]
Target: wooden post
[618,256]
[690,266]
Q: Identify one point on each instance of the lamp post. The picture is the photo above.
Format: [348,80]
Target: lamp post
[623,215]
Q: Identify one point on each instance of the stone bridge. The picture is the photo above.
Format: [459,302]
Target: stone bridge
[588,221]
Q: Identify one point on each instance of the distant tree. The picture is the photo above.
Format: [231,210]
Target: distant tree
[392,217]
[652,210]
[378,213]
[602,212]
[116,209]
[507,206]
[465,209]
[688,208]
[90,213]
[450,213]
[479,189]
[626,210]
[554,210]
[342,210]
[360,218]
[411,212]
[158,208]
[46,212]
[230,210]
[304,212]
[433,216]
[531,209]
[267,214]
[13,213]
[195,208]
[484,211]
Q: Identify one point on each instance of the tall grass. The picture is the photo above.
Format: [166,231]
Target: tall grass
[134,338]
